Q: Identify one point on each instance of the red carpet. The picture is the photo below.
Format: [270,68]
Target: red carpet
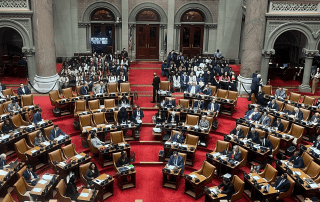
[144,76]
[13,80]
[236,69]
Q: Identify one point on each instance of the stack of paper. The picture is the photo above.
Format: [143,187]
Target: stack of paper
[47,177]
[84,195]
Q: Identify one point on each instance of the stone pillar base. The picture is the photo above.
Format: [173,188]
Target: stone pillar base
[304,88]
[244,85]
[45,84]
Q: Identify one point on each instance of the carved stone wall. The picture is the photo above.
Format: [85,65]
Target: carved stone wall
[83,5]
[301,7]
[14,5]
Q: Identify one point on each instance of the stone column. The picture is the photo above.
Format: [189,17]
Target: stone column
[125,25]
[309,55]
[254,29]
[46,72]
[170,30]
[117,42]
[29,53]
[177,44]
[265,64]
[161,41]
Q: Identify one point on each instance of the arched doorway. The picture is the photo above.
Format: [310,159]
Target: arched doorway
[102,31]
[191,40]
[288,57]
[148,34]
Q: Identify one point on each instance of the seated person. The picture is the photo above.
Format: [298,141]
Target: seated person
[235,154]
[193,89]
[30,176]
[280,94]
[124,100]
[95,141]
[296,114]
[237,132]
[84,89]
[277,124]
[198,104]
[3,162]
[228,188]
[7,127]
[91,174]
[137,115]
[23,90]
[39,139]
[315,118]
[204,123]
[296,160]
[261,100]
[213,106]
[173,118]
[178,138]
[177,161]
[207,90]
[282,184]
[170,103]
[37,116]
[2,87]
[56,132]
[253,115]
[316,143]
[123,160]
[72,189]
[184,80]
[273,105]
[160,117]
[122,115]
[266,143]
[13,106]
[253,135]
[264,119]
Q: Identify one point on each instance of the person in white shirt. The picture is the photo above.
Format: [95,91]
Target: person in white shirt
[63,82]
[112,79]
[192,79]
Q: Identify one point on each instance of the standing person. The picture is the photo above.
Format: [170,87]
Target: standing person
[155,83]
[255,86]
[72,189]
[315,80]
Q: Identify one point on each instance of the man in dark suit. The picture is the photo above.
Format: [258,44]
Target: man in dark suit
[265,119]
[173,117]
[176,161]
[198,104]
[56,132]
[213,106]
[155,84]
[296,160]
[170,103]
[3,162]
[253,115]
[316,143]
[282,184]
[194,89]
[273,105]
[2,87]
[37,116]
[237,132]
[137,115]
[207,90]
[84,89]
[296,114]
[278,125]
[265,143]
[23,90]
[253,135]
[255,86]
[228,188]
[184,80]
[261,100]
[7,127]
[178,137]
[164,68]
[171,57]
[30,176]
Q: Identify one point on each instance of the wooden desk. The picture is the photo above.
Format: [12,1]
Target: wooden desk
[105,155]
[171,179]
[193,189]
[74,166]
[41,196]
[126,181]
[212,198]
[7,146]
[168,151]
[88,198]
[10,178]
[223,168]
[105,190]
[41,160]
[257,194]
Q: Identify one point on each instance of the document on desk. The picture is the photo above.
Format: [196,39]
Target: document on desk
[78,156]
[41,122]
[4,137]
[2,172]
[61,137]
[216,154]
[47,177]
[256,177]
[157,130]
[167,143]
[193,176]
[46,143]
[297,172]
[33,151]
[98,181]
[42,182]
[62,164]
[122,144]
[84,195]
[36,189]
[170,167]
[313,186]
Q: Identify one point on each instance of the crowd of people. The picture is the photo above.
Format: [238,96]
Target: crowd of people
[200,72]
[106,68]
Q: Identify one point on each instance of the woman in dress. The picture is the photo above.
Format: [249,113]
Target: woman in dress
[224,81]
[315,80]
[112,78]
[91,174]
[192,78]
[200,81]
[176,82]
